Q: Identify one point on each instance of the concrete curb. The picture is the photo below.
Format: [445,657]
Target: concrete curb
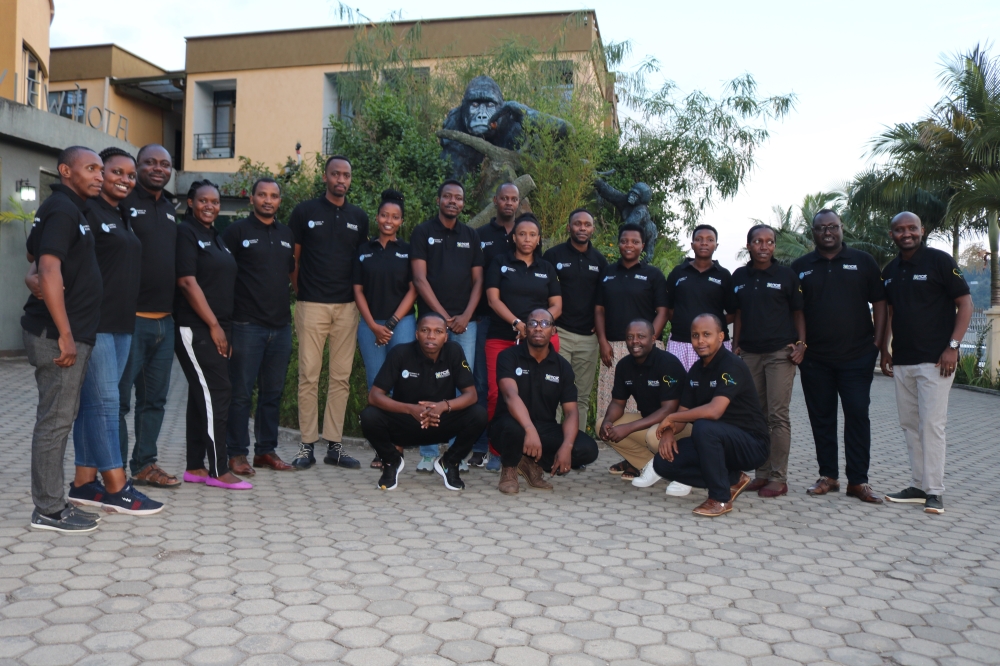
[977,389]
[292,436]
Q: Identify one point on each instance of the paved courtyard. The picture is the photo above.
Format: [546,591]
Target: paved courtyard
[319,566]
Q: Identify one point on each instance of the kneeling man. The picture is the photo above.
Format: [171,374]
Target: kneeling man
[534,381]
[728,430]
[422,377]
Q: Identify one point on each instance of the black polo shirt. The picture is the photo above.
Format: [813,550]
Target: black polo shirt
[495,241]
[659,378]
[330,236]
[691,293]
[265,256]
[384,274]
[523,288]
[411,376]
[119,256]
[580,274]
[628,294]
[154,221]
[542,387]
[836,293]
[61,230]
[922,293]
[727,375]
[766,299]
[451,254]
[201,253]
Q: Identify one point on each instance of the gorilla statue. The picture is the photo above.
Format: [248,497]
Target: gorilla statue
[633,206]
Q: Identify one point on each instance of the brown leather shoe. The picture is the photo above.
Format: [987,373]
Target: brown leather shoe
[773,489]
[533,474]
[738,487]
[864,493]
[153,475]
[824,485]
[508,481]
[756,484]
[239,465]
[712,508]
[272,461]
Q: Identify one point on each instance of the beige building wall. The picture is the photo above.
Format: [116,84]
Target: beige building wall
[24,24]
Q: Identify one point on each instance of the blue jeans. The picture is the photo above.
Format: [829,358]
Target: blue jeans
[148,369]
[260,356]
[373,354]
[481,376]
[95,431]
[468,342]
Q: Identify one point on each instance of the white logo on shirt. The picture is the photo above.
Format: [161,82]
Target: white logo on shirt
[609,277]
[653,382]
[315,223]
[407,374]
[712,383]
[106,228]
[83,229]
[362,257]
[541,275]
[352,227]
[640,277]
[246,243]
[804,273]
[431,241]
[559,266]
[134,212]
[520,371]
[286,244]
[920,277]
[628,382]
[773,285]
[850,267]
[170,217]
[681,280]
[442,374]
[693,383]
[552,378]
[887,281]
[738,287]
[462,245]
[503,269]
[715,280]
[203,244]
[594,268]
[484,244]
[402,256]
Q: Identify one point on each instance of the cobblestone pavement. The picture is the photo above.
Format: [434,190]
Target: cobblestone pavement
[319,566]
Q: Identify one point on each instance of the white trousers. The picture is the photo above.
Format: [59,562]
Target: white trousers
[922,401]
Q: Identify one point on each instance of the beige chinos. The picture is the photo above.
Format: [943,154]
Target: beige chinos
[315,324]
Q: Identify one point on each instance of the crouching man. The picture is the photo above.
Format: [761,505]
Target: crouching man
[422,377]
[534,381]
[728,431]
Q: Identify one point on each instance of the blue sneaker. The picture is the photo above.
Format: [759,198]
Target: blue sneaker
[130,501]
[89,494]
[426,464]
[492,463]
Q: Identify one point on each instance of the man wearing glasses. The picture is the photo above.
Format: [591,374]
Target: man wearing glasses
[838,283]
[534,381]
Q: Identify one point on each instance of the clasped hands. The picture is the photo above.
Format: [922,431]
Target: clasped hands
[428,414]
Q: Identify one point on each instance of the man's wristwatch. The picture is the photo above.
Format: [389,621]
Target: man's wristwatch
[514,324]
[954,344]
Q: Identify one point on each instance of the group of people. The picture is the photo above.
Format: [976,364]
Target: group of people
[500,363]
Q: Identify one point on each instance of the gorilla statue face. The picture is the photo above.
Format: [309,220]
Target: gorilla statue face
[478,114]
[482,99]
[640,193]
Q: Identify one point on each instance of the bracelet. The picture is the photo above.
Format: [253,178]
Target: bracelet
[391,322]
[799,342]
[514,324]
[449,405]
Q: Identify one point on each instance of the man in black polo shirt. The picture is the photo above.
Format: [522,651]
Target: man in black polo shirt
[654,378]
[924,287]
[152,353]
[534,382]
[262,333]
[423,377]
[59,331]
[838,283]
[580,268]
[496,240]
[328,231]
[728,431]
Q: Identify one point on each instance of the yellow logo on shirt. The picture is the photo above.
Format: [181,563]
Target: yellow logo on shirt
[728,379]
[465,364]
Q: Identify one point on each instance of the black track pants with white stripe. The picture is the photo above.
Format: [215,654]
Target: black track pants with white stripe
[209,395]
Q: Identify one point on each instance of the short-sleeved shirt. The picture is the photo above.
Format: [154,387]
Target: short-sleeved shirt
[62,230]
[580,274]
[628,294]
[659,378]
[495,241]
[523,288]
[384,274]
[922,292]
[542,387]
[202,254]
[451,254]
[411,376]
[119,256]
[766,300]
[836,293]
[330,236]
[265,256]
[691,292]
[728,376]
[154,221]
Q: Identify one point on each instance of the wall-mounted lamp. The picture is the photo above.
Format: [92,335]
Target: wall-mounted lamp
[26,190]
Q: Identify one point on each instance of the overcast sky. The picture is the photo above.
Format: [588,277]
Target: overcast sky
[855,66]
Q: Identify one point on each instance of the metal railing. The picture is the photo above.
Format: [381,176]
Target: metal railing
[329,135]
[214,145]
[977,325]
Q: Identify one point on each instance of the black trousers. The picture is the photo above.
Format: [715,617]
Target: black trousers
[852,380]
[387,430]
[209,395]
[507,437]
[713,457]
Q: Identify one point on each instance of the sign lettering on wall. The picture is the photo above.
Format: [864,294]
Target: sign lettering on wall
[101,120]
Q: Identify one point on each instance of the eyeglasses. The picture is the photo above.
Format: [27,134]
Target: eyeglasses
[763,241]
[826,228]
[534,323]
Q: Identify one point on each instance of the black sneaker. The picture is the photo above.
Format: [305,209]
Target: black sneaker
[390,475]
[130,501]
[909,496]
[71,521]
[335,456]
[934,504]
[304,459]
[478,459]
[449,472]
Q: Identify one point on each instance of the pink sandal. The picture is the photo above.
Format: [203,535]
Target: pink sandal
[241,485]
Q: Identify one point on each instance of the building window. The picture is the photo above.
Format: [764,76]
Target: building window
[33,78]
[558,75]
[214,120]
[224,118]
[70,104]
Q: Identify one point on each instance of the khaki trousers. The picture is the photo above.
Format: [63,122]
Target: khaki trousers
[922,401]
[774,377]
[315,324]
[582,352]
[639,447]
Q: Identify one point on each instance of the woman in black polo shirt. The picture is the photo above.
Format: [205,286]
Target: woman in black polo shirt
[383,290]
[517,282]
[203,308]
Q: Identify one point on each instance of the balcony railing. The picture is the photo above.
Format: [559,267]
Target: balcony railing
[215,145]
[329,133]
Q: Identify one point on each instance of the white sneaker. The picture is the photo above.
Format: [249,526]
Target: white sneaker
[676,489]
[426,464]
[648,476]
